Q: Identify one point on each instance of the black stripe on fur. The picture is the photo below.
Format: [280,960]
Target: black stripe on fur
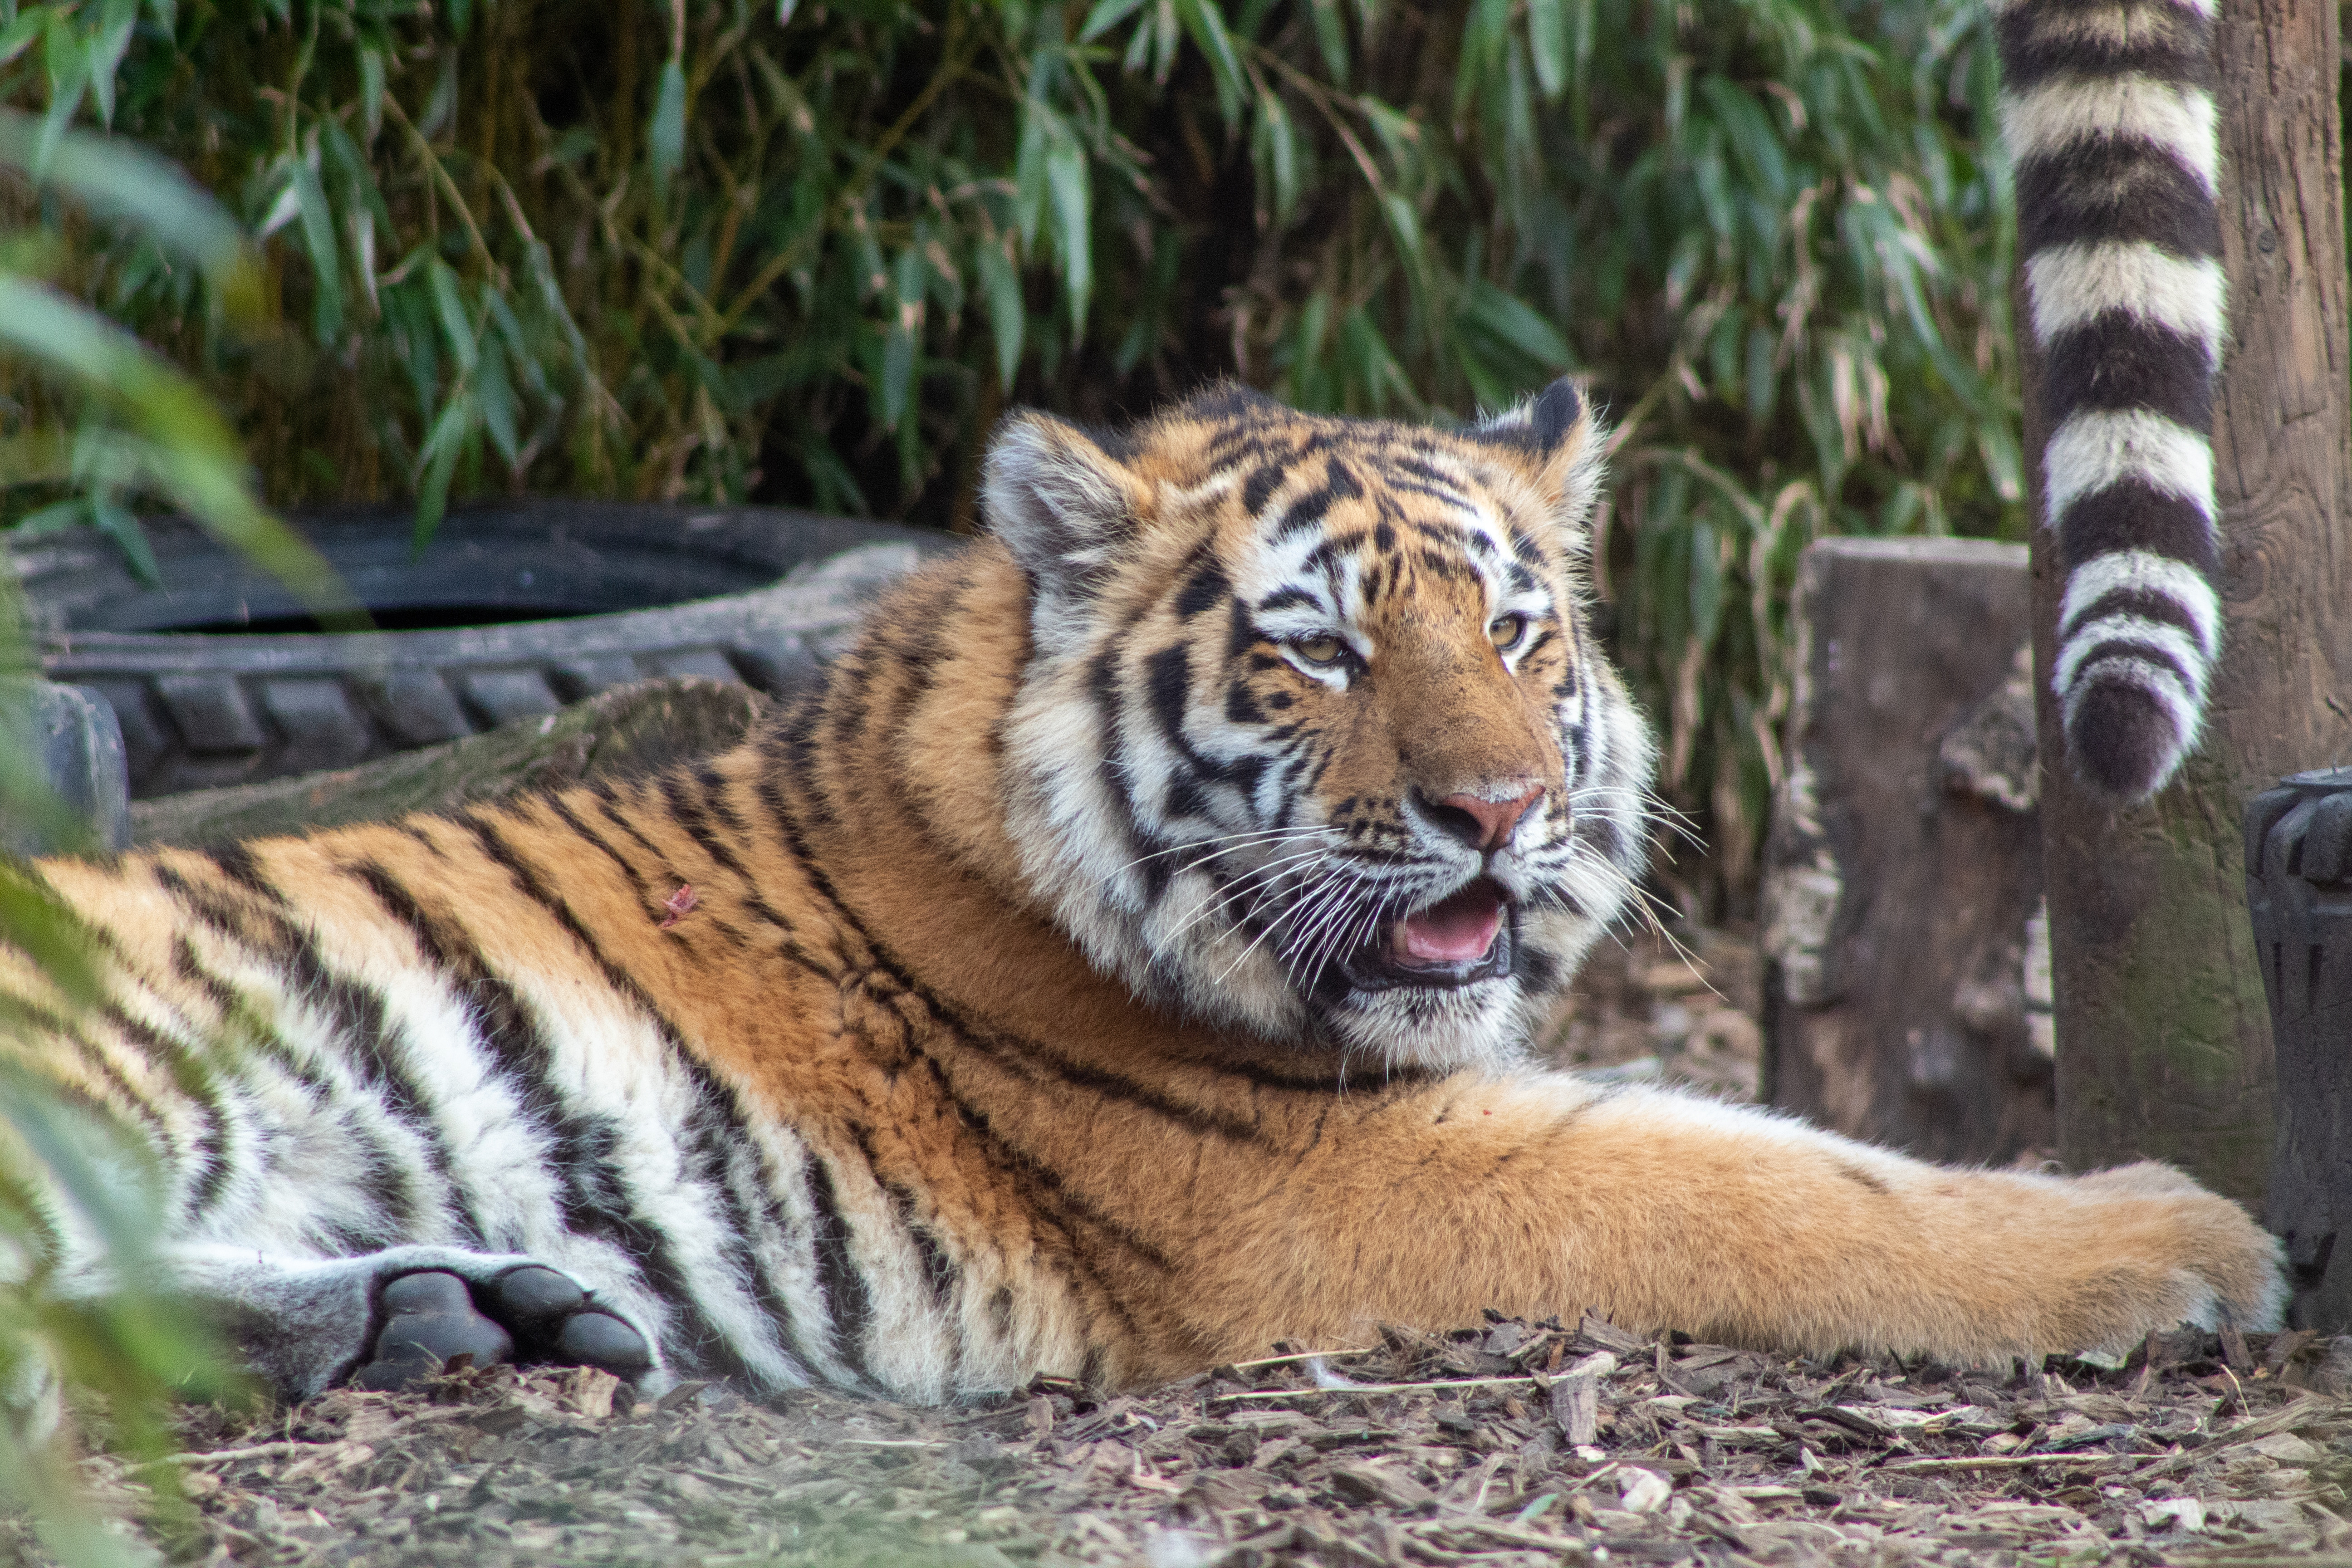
[2117,361]
[2135,515]
[2139,651]
[2056,37]
[2146,605]
[2115,188]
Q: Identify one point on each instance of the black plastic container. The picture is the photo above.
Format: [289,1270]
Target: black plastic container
[2299,887]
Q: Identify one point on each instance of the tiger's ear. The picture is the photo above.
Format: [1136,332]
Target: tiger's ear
[1555,441]
[1062,504]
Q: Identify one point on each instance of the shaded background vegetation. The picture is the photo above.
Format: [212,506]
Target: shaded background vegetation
[807,254]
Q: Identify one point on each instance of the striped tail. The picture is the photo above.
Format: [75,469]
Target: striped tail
[2107,106]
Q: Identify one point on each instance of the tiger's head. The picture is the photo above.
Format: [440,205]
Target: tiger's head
[1314,739]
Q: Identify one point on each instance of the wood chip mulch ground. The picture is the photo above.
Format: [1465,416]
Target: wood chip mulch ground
[1520,1444]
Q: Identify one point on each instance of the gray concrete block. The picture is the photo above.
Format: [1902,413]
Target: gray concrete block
[69,734]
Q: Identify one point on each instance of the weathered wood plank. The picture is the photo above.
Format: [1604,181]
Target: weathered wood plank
[630,729]
[1903,860]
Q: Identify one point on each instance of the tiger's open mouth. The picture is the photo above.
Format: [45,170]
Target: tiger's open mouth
[1458,941]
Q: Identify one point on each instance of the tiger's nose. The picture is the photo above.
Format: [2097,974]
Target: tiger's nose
[1484,825]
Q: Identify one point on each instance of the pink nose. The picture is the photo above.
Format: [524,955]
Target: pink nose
[1495,818]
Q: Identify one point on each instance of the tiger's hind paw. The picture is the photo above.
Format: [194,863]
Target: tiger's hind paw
[528,1313]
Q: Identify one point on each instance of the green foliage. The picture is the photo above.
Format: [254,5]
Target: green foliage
[120,1354]
[145,427]
[76,1218]
[807,253]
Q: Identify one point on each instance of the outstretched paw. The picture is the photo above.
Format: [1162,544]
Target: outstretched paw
[528,1313]
[2164,1251]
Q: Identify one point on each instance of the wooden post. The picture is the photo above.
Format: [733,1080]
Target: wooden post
[1904,859]
[2164,1045]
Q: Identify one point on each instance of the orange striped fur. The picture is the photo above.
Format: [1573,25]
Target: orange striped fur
[1085,981]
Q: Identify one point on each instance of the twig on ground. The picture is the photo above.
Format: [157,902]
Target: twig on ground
[2002,1462]
[2308,1408]
[1294,1356]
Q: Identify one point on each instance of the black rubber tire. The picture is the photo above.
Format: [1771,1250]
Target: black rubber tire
[756,595]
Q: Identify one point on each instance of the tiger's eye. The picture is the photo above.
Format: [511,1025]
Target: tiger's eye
[1505,631]
[1322,648]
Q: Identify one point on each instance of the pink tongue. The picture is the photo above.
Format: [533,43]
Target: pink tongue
[1458,930]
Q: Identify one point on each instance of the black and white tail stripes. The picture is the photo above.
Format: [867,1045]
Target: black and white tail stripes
[2107,106]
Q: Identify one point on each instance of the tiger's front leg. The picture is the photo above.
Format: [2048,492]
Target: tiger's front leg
[1544,1194]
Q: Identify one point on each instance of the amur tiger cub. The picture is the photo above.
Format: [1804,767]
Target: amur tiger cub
[1125,960]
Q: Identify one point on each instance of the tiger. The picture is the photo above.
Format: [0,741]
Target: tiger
[1124,960]
[1131,954]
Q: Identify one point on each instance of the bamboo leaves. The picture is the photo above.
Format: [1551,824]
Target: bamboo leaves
[1548,45]
[1330,38]
[1053,174]
[138,426]
[1503,345]
[1205,23]
[700,249]
[1000,275]
[1068,175]
[1275,154]
[154,430]
[666,135]
[126,184]
[902,340]
[309,199]
[1106,14]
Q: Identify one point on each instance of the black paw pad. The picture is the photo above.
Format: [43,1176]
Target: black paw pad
[429,1321]
[554,1321]
[600,1340]
[532,1298]
[530,1314]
